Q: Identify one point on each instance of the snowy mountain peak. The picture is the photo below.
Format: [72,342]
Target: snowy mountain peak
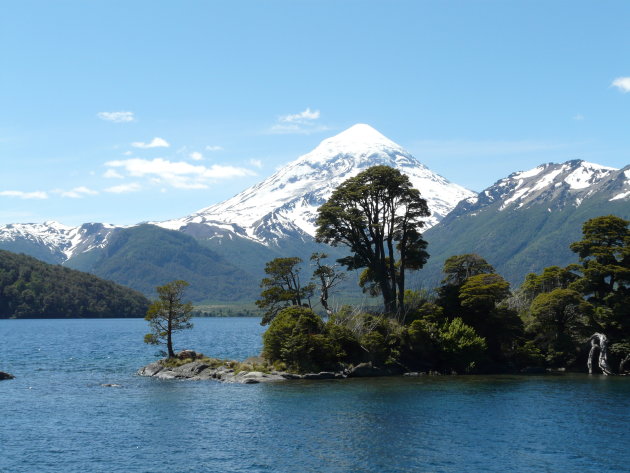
[359,146]
[286,203]
[61,240]
[360,140]
[556,185]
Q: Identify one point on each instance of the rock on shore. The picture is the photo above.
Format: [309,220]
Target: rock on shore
[197,370]
[200,368]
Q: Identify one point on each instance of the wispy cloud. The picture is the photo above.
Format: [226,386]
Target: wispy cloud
[178,174]
[214,148]
[25,195]
[116,117]
[112,174]
[578,117]
[196,156]
[622,83]
[256,163]
[302,117]
[304,122]
[124,188]
[76,193]
[154,143]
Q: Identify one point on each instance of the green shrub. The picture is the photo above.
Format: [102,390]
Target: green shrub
[279,331]
[461,347]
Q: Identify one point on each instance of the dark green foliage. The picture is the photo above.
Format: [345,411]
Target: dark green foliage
[473,324]
[483,292]
[461,347]
[377,215]
[327,276]
[560,321]
[423,344]
[383,342]
[298,338]
[473,292]
[604,253]
[168,314]
[348,349]
[457,269]
[147,256]
[30,288]
[282,287]
[553,277]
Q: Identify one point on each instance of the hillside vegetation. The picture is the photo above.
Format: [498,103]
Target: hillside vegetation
[147,256]
[30,288]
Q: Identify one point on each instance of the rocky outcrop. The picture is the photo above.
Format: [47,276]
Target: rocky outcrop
[4,376]
[200,370]
[195,366]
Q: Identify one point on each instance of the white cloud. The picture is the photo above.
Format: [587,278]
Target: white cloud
[622,83]
[214,148]
[127,153]
[256,163]
[302,117]
[76,193]
[179,174]
[25,195]
[578,117]
[154,143]
[298,123]
[196,156]
[116,117]
[124,188]
[113,174]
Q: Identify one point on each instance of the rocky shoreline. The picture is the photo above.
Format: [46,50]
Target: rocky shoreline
[201,368]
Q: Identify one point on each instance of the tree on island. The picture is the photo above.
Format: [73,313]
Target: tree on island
[377,214]
[282,287]
[168,314]
[328,277]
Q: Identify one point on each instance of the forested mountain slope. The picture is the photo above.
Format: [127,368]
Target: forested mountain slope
[30,288]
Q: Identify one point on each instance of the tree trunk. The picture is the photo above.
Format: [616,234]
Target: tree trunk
[169,339]
[599,341]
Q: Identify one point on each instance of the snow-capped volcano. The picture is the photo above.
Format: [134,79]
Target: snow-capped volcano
[286,203]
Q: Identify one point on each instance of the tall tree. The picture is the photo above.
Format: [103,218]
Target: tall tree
[458,268]
[559,318]
[328,277]
[168,314]
[604,253]
[377,214]
[282,287]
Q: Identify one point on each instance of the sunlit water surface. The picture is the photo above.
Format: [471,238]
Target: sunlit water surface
[57,416]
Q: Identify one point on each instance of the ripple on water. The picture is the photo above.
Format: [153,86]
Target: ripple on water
[57,416]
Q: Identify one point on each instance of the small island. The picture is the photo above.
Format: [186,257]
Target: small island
[565,318]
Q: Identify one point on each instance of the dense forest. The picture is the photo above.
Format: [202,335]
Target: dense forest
[472,322]
[30,288]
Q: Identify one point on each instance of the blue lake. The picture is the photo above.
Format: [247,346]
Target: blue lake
[57,417]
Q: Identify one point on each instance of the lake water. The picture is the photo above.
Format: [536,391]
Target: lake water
[57,417]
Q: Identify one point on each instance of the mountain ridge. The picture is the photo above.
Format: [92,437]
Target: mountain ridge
[520,225]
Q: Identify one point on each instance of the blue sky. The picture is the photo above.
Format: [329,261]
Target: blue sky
[126,111]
